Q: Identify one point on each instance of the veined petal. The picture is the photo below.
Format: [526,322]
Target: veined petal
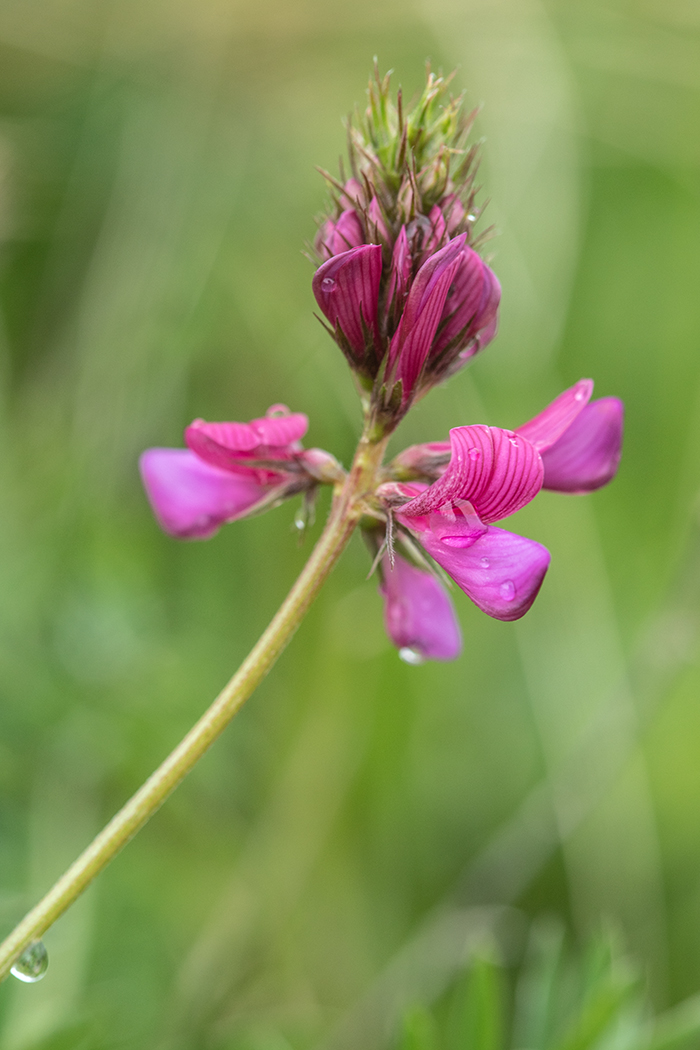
[230,445]
[501,572]
[464,301]
[347,232]
[413,338]
[400,269]
[453,211]
[418,613]
[190,498]
[347,291]
[437,229]
[495,470]
[278,431]
[587,455]
[374,214]
[547,427]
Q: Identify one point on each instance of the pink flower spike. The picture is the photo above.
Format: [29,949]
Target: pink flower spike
[501,572]
[412,341]
[192,499]
[587,455]
[347,291]
[418,613]
[546,428]
[497,471]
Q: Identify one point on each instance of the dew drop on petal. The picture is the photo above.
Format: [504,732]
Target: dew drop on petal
[327,284]
[411,656]
[475,453]
[579,395]
[507,590]
[32,964]
[457,541]
[484,563]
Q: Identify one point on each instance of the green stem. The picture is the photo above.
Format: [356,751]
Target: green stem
[345,514]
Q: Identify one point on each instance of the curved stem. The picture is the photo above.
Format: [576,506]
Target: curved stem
[345,513]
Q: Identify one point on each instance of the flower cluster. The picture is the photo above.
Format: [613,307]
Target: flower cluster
[409,301]
[406,295]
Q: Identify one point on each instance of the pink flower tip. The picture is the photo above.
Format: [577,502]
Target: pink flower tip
[418,613]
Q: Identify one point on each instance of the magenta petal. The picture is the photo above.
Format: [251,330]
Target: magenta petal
[547,427]
[190,498]
[437,229]
[418,613]
[587,455]
[280,430]
[230,445]
[413,338]
[464,300]
[453,210]
[347,233]
[374,214]
[400,269]
[347,291]
[496,470]
[501,572]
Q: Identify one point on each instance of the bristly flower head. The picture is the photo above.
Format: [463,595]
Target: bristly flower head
[407,296]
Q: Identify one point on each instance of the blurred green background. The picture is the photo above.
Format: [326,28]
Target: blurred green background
[334,855]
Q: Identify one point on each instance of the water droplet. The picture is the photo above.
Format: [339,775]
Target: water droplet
[411,656]
[508,591]
[471,218]
[475,453]
[484,563]
[32,964]
[327,284]
[579,395]
[457,541]
[513,441]
[299,521]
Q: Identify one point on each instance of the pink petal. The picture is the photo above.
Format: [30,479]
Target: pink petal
[347,233]
[453,210]
[277,431]
[546,428]
[464,301]
[347,291]
[190,498]
[587,455]
[400,269]
[437,229]
[495,470]
[231,445]
[412,340]
[352,193]
[375,216]
[501,572]
[418,613]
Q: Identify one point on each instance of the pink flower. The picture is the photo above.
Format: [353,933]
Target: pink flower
[229,470]
[418,613]
[486,474]
[431,322]
[347,291]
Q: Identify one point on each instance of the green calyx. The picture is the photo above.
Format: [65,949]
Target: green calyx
[413,160]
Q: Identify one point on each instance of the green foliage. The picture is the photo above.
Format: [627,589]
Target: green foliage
[554,1000]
